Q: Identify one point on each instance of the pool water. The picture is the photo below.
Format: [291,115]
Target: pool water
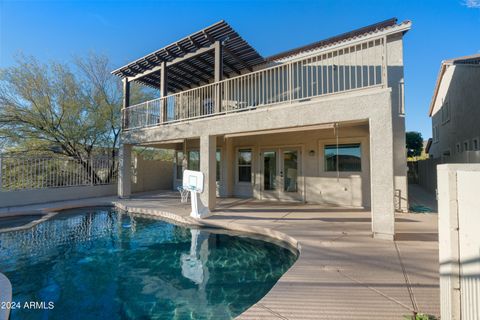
[99,263]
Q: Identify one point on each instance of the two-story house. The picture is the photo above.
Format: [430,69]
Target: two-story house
[323,123]
[455,110]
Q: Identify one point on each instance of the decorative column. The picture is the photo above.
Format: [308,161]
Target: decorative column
[1,179]
[124,170]
[208,148]
[381,176]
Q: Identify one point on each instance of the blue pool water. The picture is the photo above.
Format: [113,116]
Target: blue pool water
[98,263]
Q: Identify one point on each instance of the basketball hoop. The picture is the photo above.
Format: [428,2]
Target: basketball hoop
[184,192]
[193,184]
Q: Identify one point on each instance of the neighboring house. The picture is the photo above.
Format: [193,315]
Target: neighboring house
[455,110]
[323,123]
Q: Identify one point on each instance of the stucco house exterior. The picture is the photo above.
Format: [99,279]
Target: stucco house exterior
[455,110]
[323,123]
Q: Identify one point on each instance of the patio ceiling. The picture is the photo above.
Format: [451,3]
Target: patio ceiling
[190,61]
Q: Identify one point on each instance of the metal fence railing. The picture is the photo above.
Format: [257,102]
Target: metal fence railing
[351,67]
[20,173]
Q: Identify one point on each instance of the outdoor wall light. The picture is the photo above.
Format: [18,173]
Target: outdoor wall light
[311,153]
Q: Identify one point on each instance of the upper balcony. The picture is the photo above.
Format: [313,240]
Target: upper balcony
[345,63]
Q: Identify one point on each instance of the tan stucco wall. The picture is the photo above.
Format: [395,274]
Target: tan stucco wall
[381,106]
[371,105]
[459,240]
[315,185]
[151,175]
[395,79]
[460,89]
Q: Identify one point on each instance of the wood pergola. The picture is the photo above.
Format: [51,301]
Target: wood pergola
[203,57]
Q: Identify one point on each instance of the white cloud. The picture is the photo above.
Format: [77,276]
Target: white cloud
[472,4]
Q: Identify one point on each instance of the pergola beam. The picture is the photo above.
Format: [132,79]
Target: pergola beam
[236,57]
[199,70]
[187,56]
[213,41]
[202,60]
[232,67]
[197,77]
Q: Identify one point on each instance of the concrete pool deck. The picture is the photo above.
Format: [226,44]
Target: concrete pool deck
[341,272]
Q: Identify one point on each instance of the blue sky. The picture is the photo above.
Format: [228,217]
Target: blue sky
[126,30]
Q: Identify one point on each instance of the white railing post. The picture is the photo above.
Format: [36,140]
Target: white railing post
[1,176]
[147,120]
[290,82]
[92,174]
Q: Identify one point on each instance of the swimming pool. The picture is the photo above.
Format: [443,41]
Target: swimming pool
[99,263]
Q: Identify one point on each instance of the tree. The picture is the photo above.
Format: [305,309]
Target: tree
[71,110]
[414,143]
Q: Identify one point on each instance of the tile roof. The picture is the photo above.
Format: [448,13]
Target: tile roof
[376,27]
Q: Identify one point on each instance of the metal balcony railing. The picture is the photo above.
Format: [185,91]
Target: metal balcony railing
[351,67]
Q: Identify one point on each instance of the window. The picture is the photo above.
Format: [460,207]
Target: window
[445,113]
[194,160]
[219,166]
[244,165]
[475,144]
[459,148]
[348,157]
[465,146]
[436,134]
[179,165]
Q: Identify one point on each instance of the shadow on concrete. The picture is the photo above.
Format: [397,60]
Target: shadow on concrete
[411,236]
[323,219]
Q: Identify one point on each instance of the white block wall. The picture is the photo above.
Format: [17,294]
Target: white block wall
[459,240]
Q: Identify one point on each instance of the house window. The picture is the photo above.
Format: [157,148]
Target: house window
[344,157]
[218,157]
[465,146]
[459,148]
[445,112]
[436,134]
[194,160]
[179,165]
[244,165]
[475,144]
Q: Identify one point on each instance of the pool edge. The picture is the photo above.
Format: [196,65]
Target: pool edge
[187,220]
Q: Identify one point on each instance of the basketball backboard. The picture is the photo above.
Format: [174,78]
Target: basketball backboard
[193,180]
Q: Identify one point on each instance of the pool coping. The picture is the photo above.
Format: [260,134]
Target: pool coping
[5,295]
[190,221]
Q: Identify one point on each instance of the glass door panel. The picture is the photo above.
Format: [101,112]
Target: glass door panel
[290,171]
[269,170]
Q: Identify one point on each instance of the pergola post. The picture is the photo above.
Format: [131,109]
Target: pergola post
[218,75]
[164,90]
[126,101]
